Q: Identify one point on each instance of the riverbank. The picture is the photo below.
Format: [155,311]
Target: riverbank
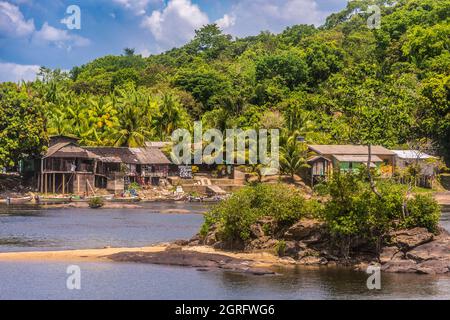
[200,257]
[413,251]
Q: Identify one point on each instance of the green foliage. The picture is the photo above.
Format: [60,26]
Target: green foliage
[22,125]
[423,211]
[236,214]
[339,83]
[354,210]
[96,202]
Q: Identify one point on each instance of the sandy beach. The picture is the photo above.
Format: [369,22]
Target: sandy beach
[258,259]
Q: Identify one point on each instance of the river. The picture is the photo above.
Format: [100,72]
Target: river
[31,229]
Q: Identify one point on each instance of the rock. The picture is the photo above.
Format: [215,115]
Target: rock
[387,254]
[311,260]
[256,231]
[400,266]
[291,249]
[263,243]
[436,250]
[434,267]
[408,239]
[181,242]
[304,229]
[201,261]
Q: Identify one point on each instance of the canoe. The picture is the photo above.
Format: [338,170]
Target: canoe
[54,199]
[17,200]
[125,200]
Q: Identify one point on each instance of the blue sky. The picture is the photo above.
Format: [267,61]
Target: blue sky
[32,34]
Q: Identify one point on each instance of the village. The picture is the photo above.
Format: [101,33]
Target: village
[70,173]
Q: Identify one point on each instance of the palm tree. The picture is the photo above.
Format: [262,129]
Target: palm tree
[293,156]
[134,119]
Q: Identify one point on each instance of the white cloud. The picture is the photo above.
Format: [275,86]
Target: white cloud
[17,72]
[175,24]
[226,21]
[144,52]
[12,21]
[61,38]
[138,7]
[249,17]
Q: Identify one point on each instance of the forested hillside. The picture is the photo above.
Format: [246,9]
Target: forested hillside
[340,83]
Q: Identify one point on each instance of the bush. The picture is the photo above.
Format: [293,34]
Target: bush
[423,211]
[355,210]
[235,215]
[96,202]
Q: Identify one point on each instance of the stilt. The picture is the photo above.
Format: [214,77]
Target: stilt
[64,183]
[54,183]
[46,183]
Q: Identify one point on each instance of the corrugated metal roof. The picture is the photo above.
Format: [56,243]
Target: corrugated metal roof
[412,154]
[130,155]
[349,150]
[69,150]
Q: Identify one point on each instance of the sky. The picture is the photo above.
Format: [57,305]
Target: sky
[36,33]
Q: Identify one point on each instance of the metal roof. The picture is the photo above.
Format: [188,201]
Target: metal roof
[349,150]
[357,158]
[412,154]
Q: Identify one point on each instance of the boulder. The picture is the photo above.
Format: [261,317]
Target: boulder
[436,250]
[387,254]
[306,230]
[291,249]
[411,238]
[312,260]
[400,266]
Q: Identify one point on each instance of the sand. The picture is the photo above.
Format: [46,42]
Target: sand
[258,259]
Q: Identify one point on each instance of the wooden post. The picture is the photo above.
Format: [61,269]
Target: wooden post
[39,182]
[78,183]
[54,183]
[64,184]
[46,183]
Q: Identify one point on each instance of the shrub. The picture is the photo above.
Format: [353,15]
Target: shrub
[354,210]
[423,211]
[96,202]
[235,215]
[280,248]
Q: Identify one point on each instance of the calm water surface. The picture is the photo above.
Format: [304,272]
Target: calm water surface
[53,229]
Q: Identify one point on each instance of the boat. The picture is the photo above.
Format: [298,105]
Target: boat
[21,200]
[125,200]
[54,200]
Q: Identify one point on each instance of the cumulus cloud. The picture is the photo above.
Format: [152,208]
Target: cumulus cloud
[17,72]
[12,22]
[175,24]
[249,17]
[60,38]
[138,7]
[226,21]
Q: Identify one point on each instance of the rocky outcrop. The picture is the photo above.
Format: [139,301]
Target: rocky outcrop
[308,242]
[418,251]
[411,238]
[175,256]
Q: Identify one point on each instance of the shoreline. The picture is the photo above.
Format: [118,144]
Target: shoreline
[253,259]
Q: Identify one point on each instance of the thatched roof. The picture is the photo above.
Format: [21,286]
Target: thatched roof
[349,150]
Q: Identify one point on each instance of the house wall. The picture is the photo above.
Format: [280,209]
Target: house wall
[115,183]
[84,183]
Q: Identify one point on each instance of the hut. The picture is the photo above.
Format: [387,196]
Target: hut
[327,158]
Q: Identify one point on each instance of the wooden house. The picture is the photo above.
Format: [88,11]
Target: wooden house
[327,158]
[68,168]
